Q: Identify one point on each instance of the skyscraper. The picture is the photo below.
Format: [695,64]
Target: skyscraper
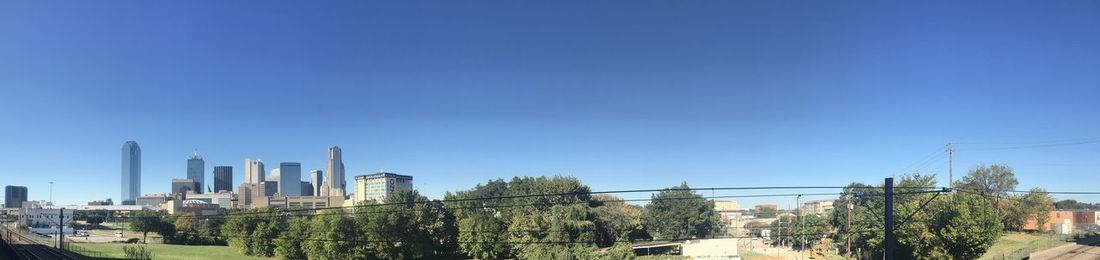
[315,178]
[131,172]
[335,185]
[290,179]
[14,196]
[196,171]
[223,178]
[253,171]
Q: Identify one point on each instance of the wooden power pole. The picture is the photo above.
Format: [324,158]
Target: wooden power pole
[951,166]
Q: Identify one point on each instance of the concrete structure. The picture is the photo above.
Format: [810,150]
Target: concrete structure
[107,202]
[290,179]
[380,185]
[45,217]
[253,171]
[223,178]
[771,207]
[817,207]
[196,171]
[183,187]
[190,207]
[153,200]
[310,202]
[315,179]
[1066,220]
[14,196]
[307,189]
[221,199]
[1057,217]
[245,194]
[131,172]
[717,248]
[335,182]
[79,208]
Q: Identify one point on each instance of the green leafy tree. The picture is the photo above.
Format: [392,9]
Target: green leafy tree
[146,221]
[679,213]
[1040,204]
[994,183]
[617,221]
[766,213]
[756,227]
[1074,204]
[483,237]
[511,204]
[335,236]
[966,226]
[251,231]
[289,245]
[407,225]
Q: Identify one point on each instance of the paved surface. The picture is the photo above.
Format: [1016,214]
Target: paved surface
[1089,249]
[27,248]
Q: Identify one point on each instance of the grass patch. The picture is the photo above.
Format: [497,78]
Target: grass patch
[1020,245]
[162,251]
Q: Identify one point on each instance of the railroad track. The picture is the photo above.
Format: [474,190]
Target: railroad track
[29,248]
[1081,252]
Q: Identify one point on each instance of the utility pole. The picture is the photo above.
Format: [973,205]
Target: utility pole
[61,237]
[950,165]
[848,228]
[801,247]
[51,192]
[779,219]
[889,219]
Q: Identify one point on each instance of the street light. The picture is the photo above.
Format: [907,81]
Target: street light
[51,193]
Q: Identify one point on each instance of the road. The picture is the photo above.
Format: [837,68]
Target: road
[1087,249]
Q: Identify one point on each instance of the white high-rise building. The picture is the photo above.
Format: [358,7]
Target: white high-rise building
[335,183]
[380,185]
[315,178]
[253,171]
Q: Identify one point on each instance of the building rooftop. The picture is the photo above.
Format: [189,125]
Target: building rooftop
[382,174]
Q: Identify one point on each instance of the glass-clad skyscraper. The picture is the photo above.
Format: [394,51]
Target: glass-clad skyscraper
[196,171]
[223,178]
[131,172]
[290,179]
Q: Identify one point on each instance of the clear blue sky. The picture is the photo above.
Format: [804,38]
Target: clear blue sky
[621,94]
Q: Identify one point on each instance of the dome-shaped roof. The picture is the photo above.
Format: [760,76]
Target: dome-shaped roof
[194,202]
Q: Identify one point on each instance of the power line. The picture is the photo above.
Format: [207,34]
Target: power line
[1042,145]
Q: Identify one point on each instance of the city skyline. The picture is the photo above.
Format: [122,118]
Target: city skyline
[716,94]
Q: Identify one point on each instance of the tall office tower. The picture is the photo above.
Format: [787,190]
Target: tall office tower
[131,172]
[223,178]
[196,171]
[14,196]
[253,171]
[290,179]
[307,189]
[335,185]
[315,178]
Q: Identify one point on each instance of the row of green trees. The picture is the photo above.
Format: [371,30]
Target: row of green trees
[958,225]
[529,218]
